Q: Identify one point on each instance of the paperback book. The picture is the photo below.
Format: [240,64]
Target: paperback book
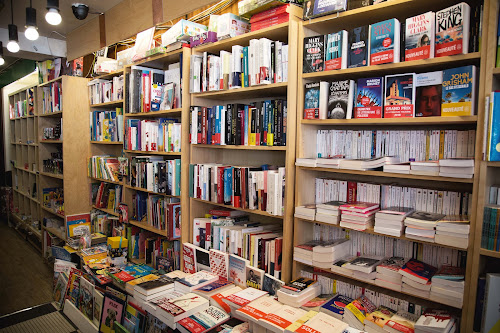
[311,100]
[336,50]
[340,99]
[369,98]
[419,38]
[399,96]
[358,47]
[459,91]
[428,94]
[452,30]
[385,42]
[314,54]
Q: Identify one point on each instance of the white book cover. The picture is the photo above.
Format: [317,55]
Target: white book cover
[265,61]
[491,315]
[452,30]
[237,270]
[183,306]
[322,323]
[278,321]
[259,308]
[284,55]
[419,39]
[245,296]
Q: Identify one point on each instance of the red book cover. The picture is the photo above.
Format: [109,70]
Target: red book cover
[351,191]
[220,185]
[270,13]
[124,276]
[419,270]
[236,187]
[198,188]
[277,257]
[188,258]
[243,187]
[191,325]
[204,125]
[282,18]
[199,131]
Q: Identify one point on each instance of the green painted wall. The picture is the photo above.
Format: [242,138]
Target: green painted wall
[20,69]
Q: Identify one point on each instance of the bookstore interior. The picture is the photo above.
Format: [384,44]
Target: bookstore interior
[255,165]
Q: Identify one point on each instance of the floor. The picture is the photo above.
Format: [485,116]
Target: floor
[25,280]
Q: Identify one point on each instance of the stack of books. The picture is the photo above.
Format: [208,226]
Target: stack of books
[376,320]
[356,311]
[402,321]
[339,266]
[298,292]
[203,320]
[304,252]
[324,255]
[416,278]
[307,212]
[453,230]
[358,215]
[403,168]
[424,168]
[367,164]
[421,226]
[364,267]
[149,290]
[329,212]
[448,285]
[435,321]
[388,275]
[336,306]
[390,221]
[456,167]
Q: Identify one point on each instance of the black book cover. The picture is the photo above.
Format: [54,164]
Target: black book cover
[200,125]
[273,61]
[275,127]
[402,35]
[258,107]
[237,187]
[279,128]
[338,99]
[240,108]
[353,4]
[314,54]
[135,91]
[358,47]
[262,122]
[203,235]
[283,131]
[162,177]
[229,114]
[234,120]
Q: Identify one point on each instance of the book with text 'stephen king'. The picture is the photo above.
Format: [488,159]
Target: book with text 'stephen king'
[452,30]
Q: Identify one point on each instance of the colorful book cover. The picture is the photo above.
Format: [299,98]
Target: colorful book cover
[393,264]
[86,301]
[384,42]
[112,312]
[360,307]
[340,99]
[419,38]
[73,289]
[399,96]
[271,284]
[254,277]
[60,288]
[358,47]
[428,90]
[494,128]
[219,263]
[420,270]
[403,321]
[237,270]
[188,258]
[452,30]
[311,101]
[380,316]
[369,98]
[336,50]
[211,287]
[299,284]
[314,54]
[76,224]
[459,91]
[337,305]
[322,7]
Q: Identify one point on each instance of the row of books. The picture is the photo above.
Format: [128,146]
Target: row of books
[165,214]
[162,135]
[153,89]
[106,126]
[259,124]
[18,109]
[256,188]
[424,36]
[103,223]
[490,233]
[262,62]
[54,164]
[268,18]
[158,252]
[154,174]
[408,145]
[104,91]
[53,199]
[52,98]
[447,93]
[107,196]
[104,167]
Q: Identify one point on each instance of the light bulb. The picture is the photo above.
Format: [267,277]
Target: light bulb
[13,46]
[31,33]
[2,61]
[53,17]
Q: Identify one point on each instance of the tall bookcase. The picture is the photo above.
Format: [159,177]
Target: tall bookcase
[238,155]
[73,117]
[24,154]
[307,129]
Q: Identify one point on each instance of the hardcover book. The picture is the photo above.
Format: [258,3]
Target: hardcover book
[385,42]
[358,47]
[336,50]
[399,96]
[314,54]
[311,100]
[452,30]
[428,90]
[112,311]
[340,99]
[369,98]
[459,91]
[419,36]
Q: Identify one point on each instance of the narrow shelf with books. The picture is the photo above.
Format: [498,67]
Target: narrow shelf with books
[231,135]
[322,136]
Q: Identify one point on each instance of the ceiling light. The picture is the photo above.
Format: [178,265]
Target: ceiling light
[53,17]
[2,60]
[13,44]
[31,32]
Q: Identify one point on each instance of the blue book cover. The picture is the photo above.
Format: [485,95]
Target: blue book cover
[210,119]
[335,50]
[494,129]
[228,185]
[384,41]
[358,47]
[337,304]
[246,117]
[325,7]
[213,286]
[459,91]
[369,98]
[311,101]
[245,66]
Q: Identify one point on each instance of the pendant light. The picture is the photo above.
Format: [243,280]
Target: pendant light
[13,44]
[53,17]
[2,60]
[31,32]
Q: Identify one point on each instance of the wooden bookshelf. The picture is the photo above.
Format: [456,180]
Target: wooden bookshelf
[145,226]
[240,147]
[117,103]
[152,152]
[105,181]
[489,253]
[140,189]
[160,113]
[52,175]
[107,142]
[251,211]
[51,114]
[106,210]
[50,81]
[51,141]
[270,90]
[432,121]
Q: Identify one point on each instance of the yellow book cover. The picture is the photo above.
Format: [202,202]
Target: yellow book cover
[111,199]
[427,145]
[251,133]
[441,144]
[149,277]
[105,130]
[459,88]
[301,321]
[380,316]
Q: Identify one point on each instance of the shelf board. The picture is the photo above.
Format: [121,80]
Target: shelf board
[27,196]
[372,232]
[263,90]
[367,282]
[52,175]
[145,226]
[495,71]
[240,147]
[52,114]
[277,32]
[32,172]
[391,175]
[36,232]
[159,61]
[98,105]
[51,211]
[489,253]
[137,261]
[393,121]
[152,152]
[107,211]
[493,164]
[106,181]
[107,142]
[51,141]
[251,211]
[56,233]
[51,81]
[407,66]
[107,75]
[155,113]
[152,192]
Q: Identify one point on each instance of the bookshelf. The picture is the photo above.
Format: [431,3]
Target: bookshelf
[307,129]
[252,156]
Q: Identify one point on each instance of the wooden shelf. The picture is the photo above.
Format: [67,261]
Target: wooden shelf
[27,196]
[107,211]
[56,233]
[240,147]
[52,114]
[51,211]
[52,175]
[137,261]
[489,253]
[51,81]
[107,75]
[495,71]
[264,90]
[22,169]
[401,67]
[106,181]
[145,226]
[155,113]
[368,284]
[152,152]
[51,141]
[107,142]
[37,233]
[493,164]
[159,61]
[372,232]
[251,211]
[112,103]
[144,190]
[391,175]
[393,121]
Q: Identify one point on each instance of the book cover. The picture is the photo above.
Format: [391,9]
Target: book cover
[340,99]
[237,270]
[197,278]
[299,284]
[435,320]
[419,36]
[311,100]
[98,302]
[393,264]
[245,296]
[112,312]
[60,288]
[384,42]
[214,286]
[314,54]
[254,277]
[219,263]
[369,98]
[428,90]
[418,270]
[76,224]
[336,50]
[491,319]
[322,323]
[271,284]
[380,316]
[204,320]
[188,258]
[459,91]
[452,30]
[202,259]
[86,301]
[403,321]
[337,305]
[358,47]
[360,307]
[150,286]
[325,7]
[493,152]
[399,96]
